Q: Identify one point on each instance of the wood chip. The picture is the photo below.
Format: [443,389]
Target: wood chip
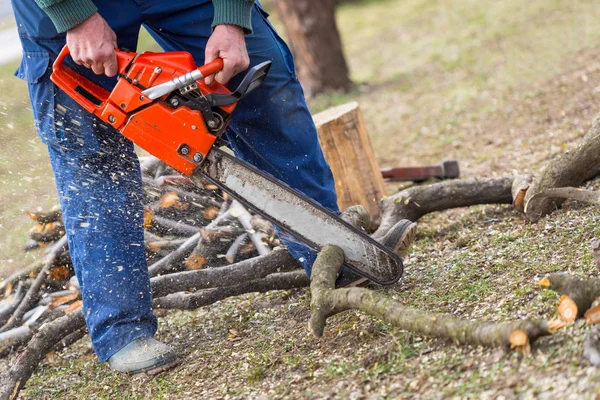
[148,215]
[555,324]
[519,341]
[544,282]
[592,316]
[195,262]
[210,213]
[567,309]
[74,306]
[59,301]
[58,273]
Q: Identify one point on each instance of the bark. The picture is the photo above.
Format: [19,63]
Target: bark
[570,169]
[30,244]
[22,274]
[165,245]
[48,233]
[212,246]
[251,269]
[168,262]
[416,201]
[581,291]
[164,226]
[233,250]
[191,301]
[591,350]
[241,214]
[327,301]
[53,215]
[9,309]
[13,380]
[33,294]
[536,206]
[195,194]
[315,43]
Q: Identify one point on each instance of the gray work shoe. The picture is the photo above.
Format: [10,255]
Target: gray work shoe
[144,354]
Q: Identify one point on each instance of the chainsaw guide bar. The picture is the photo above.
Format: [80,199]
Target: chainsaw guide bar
[300,216]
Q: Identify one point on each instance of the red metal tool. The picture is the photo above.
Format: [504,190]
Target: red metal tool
[161,103]
[181,128]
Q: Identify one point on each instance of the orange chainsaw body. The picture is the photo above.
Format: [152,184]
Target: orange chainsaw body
[178,136]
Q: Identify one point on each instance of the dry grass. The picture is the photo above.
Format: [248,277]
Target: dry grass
[498,86]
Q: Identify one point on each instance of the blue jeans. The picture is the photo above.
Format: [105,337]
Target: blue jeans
[97,172]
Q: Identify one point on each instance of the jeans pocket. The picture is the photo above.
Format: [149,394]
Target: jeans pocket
[283,47]
[34,69]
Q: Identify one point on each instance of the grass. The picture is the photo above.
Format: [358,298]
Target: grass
[496,85]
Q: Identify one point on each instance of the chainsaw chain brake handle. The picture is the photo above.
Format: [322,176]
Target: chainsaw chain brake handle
[253,79]
[161,103]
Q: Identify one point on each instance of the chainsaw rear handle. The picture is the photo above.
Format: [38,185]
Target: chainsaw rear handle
[91,96]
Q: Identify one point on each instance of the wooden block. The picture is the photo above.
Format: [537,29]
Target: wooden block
[347,148]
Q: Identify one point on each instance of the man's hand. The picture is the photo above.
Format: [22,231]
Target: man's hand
[227,42]
[92,44]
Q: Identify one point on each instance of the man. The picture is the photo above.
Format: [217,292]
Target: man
[96,170]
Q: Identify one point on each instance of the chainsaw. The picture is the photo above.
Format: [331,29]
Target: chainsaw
[162,104]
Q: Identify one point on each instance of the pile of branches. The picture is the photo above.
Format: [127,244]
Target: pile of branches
[202,248]
[200,245]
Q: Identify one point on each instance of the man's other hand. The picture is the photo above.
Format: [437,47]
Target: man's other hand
[92,44]
[227,42]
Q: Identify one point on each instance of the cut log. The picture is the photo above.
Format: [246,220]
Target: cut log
[191,301]
[327,301]
[48,233]
[53,215]
[414,202]
[33,294]
[570,169]
[537,204]
[520,186]
[347,149]
[241,214]
[596,252]
[578,293]
[169,261]
[254,268]
[13,380]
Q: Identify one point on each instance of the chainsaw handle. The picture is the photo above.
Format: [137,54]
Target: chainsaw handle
[123,59]
[88,94]
[211,68]
[61,57]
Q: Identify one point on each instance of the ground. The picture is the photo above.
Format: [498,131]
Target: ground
[499,86]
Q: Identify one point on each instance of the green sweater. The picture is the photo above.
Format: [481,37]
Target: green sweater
[67,14]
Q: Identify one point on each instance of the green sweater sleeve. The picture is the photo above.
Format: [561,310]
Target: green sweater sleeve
[233,12]
[66,14]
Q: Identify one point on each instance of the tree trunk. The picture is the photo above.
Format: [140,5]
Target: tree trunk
[315,42]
